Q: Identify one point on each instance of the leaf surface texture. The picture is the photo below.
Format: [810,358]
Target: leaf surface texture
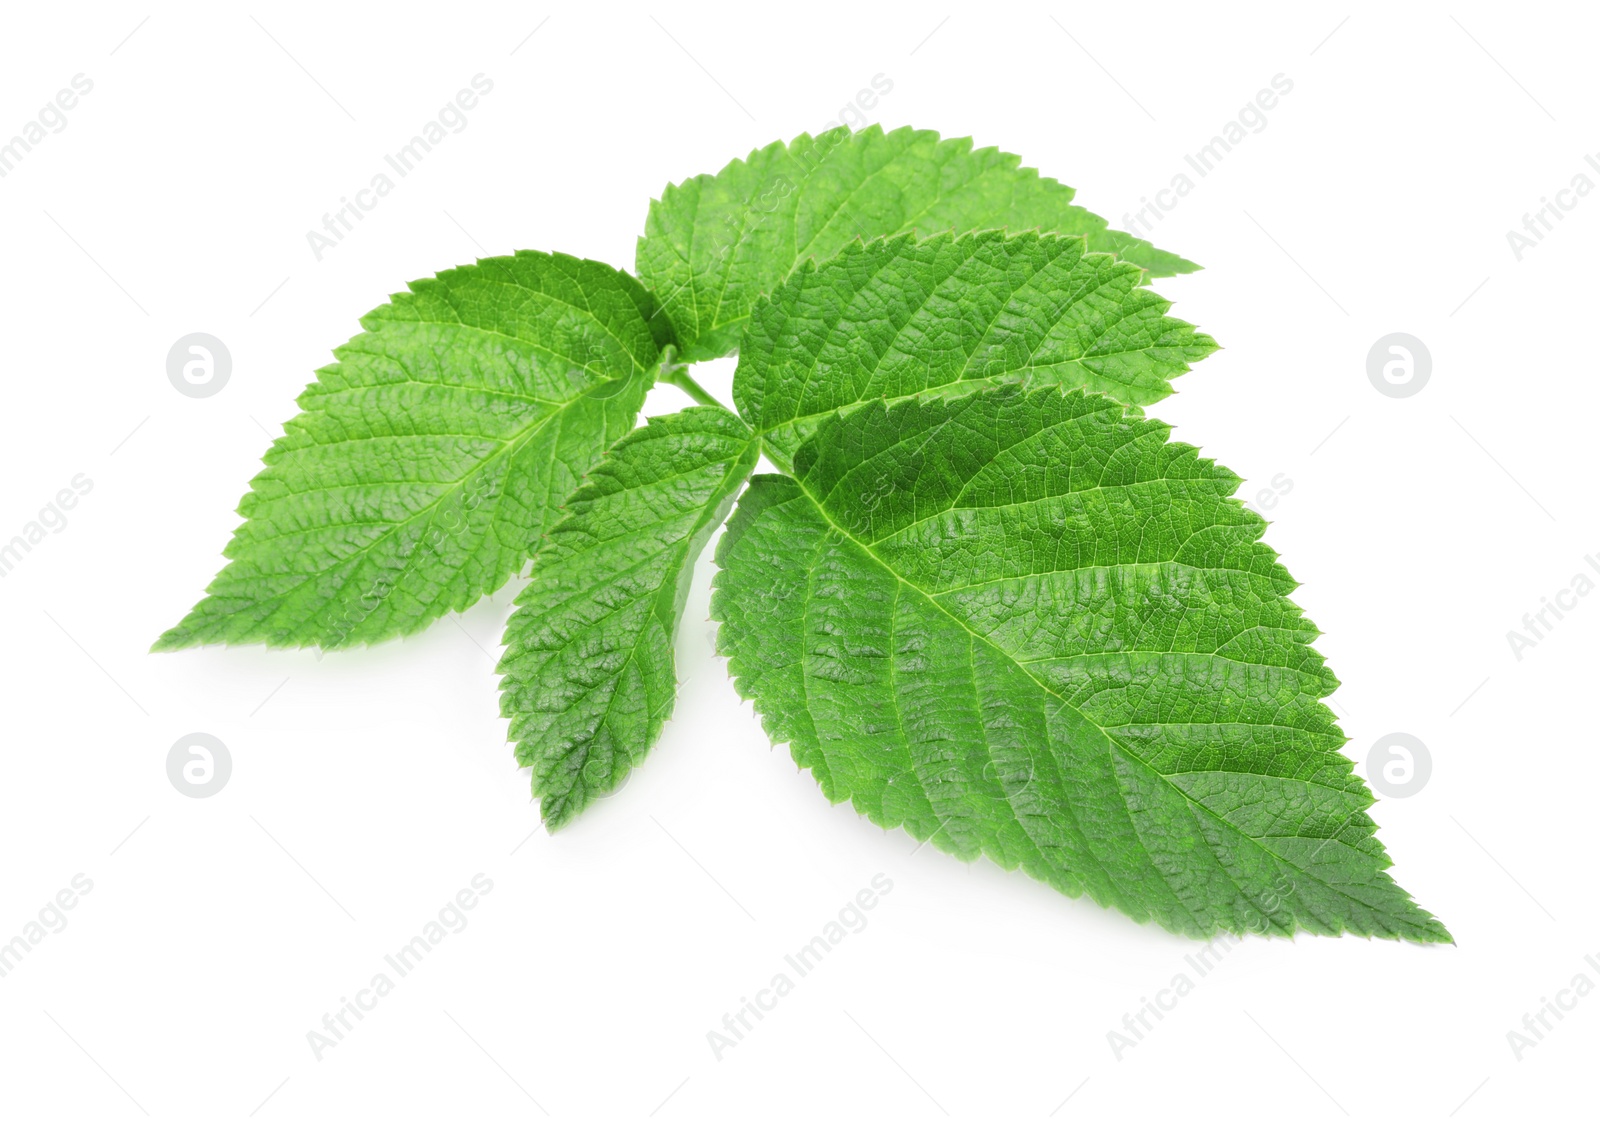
[1024,624]
[898,318]
[431,456]
[588,674]
[715,243]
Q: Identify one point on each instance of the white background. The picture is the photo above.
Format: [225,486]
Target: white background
[369,786]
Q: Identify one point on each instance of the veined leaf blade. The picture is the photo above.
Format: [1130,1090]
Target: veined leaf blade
[588,671]
[715,243]
[431,456]
[1025,625]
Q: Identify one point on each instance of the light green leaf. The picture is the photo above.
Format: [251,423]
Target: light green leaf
[588,666]
[1025,625]
[898,318]
[429,459]
[714,244]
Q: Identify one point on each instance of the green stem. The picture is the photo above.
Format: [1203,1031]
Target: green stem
[677,373]
[681,378]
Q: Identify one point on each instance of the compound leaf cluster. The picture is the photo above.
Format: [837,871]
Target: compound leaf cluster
[984,598]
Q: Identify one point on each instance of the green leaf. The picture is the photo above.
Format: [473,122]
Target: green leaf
[714,244]
[429,459]
[588,666]
[1025,625]
[897,318]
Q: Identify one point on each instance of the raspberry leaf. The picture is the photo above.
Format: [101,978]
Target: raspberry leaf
[716,243]
[588,668]
[1024,624]
[431,456]
[898,318]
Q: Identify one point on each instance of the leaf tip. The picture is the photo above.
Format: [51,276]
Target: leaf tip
[172,640]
